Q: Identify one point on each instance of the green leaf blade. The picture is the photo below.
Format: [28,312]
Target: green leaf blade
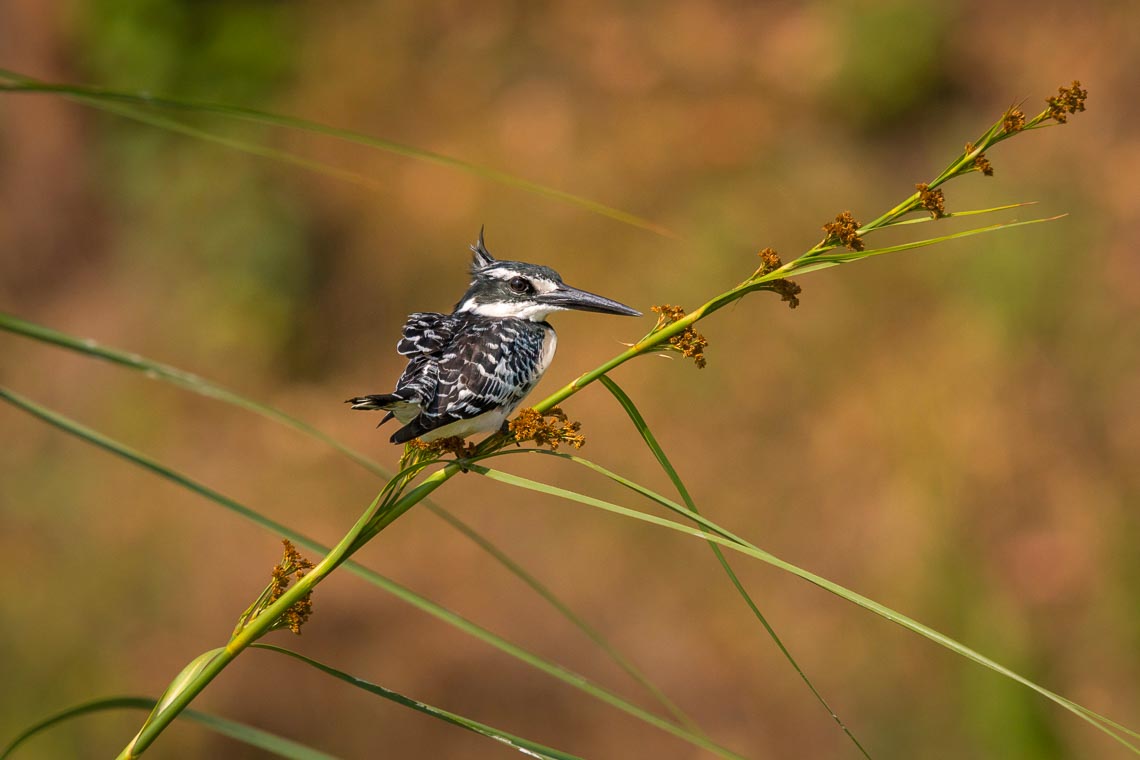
[526,746]
[404,594]
[128,103]
[727,539]
[651,442]
[246,734]
[199,385]
[826,260]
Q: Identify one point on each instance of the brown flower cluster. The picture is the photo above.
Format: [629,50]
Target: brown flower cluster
[932,200]
[788,291]
[846,230]
[769,261]
[532,425]
[293,566]
[1068,100]
[417,449]
[981,163]
[1013,120]
[689,342]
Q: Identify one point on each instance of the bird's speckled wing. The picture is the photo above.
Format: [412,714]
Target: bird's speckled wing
[425,340]
[488,364]
[426,332]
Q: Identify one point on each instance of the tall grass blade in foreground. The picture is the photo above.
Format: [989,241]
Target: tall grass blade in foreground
[659,453]
[525,746]
[253,737]
[131,105]
[196,675]
[714,533]
[196,384]
[674,331]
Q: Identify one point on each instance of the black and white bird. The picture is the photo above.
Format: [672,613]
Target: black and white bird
[468,370]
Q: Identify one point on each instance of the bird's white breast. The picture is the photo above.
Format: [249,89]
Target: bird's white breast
[549,345]
[492,419]
[488,422]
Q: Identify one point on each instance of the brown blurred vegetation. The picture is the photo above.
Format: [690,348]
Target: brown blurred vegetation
[954,433]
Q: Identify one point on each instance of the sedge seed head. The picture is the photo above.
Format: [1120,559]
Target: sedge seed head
[789,292]
[769,260]
[531,425]
[417,450]
[1013,120]
[689,342]
[845,229]
[1068,100]
[292,567]
[299,613]
[981,163]
[932,200]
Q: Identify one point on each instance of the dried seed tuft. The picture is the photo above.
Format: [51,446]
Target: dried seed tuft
[932,200]
[689,342]
[532,425]
[1068,100]
[845,230]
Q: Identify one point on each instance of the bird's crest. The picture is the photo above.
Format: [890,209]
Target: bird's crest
[483,257]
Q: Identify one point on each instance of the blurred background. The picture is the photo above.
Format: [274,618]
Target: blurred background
[952,432]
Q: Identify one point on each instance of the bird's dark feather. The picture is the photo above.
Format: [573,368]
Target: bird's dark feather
[426,332]
[462,365]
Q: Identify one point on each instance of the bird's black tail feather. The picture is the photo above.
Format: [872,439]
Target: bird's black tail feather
[413,429]
[381,402]
[374,403]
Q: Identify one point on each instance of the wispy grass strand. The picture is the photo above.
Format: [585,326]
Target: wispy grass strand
[201,386]
[253,737]
[722,537]
[525,746]
[130,105]
[214,661]
[651,442]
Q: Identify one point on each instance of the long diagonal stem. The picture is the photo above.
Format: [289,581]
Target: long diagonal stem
[205,668]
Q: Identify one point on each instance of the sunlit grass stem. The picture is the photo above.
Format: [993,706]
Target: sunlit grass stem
[208,389]
[393,503]
[400,495]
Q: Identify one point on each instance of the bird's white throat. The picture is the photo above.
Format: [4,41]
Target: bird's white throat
[532,310]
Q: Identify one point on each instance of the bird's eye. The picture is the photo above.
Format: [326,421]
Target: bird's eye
[519,284]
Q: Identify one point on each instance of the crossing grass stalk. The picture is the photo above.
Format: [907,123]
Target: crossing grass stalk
[844,241]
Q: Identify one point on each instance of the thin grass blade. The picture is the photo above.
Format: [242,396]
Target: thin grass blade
[18,83]
[825,260]
[953,215]
[201,386]
[86,708]
[254,737]
[592,633]
[726,538]
[181,378]
[441,613]
[257,737]
[525,746]
[233,143]
[650,440]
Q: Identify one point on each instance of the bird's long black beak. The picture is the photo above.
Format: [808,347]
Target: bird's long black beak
[581,300]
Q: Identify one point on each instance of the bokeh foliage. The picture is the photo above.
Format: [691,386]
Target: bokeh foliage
[954,433]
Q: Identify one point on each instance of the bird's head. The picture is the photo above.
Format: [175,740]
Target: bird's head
[525,291]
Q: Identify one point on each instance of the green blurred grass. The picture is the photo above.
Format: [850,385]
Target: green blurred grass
[954,434]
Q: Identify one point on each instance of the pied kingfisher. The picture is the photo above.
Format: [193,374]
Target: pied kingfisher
[468,370]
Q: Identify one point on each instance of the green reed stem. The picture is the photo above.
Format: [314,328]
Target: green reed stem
[393,503]
[196,676]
